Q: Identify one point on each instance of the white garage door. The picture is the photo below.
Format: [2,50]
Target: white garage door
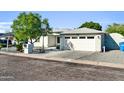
[83,43]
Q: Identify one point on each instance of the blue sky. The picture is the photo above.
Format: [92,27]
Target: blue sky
[70,19]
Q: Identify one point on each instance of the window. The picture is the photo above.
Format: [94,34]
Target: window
[67,37]
[90,37]
[82,37]
[74,37]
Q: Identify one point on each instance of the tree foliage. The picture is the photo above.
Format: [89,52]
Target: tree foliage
[116,28]
[27,27]
[91,25]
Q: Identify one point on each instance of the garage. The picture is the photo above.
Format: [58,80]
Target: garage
[84,43]
[84,39]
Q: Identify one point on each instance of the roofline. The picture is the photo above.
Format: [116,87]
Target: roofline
[80,33]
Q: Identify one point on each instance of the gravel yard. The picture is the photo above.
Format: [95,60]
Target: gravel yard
[114,56]
[18,68]
[71,54]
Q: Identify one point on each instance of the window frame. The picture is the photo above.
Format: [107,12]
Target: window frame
[67,37]
[82,37]
[90,37]
[74,37]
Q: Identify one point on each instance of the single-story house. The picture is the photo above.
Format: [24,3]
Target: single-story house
[5,36]
[81,39]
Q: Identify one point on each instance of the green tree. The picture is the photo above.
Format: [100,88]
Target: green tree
[27,27]
[91,25]
[116,28]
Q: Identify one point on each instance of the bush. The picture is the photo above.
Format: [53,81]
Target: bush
[2,45]
[19,47]
[58,47]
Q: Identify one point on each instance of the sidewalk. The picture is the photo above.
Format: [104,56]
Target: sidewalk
[50,59]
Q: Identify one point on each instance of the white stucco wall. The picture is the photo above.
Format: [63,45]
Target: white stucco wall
[39,44]
[99,42]
[49,41]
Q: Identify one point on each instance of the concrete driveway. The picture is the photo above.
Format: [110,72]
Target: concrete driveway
[114,56]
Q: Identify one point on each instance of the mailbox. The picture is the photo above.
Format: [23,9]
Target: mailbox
[28,48]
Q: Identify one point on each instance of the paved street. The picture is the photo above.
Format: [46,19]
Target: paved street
[17,68]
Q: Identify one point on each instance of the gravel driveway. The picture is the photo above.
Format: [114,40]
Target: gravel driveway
[18,68]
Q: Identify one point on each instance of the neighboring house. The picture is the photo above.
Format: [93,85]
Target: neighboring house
[6,36]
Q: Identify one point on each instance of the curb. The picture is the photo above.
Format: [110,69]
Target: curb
[64,60]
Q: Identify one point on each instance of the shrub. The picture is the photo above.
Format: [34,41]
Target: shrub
[58,47]
[2,45]
[19,47]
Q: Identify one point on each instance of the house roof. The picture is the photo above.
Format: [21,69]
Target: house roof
[82,31]
[1,34]
[59,30]
[6,35]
